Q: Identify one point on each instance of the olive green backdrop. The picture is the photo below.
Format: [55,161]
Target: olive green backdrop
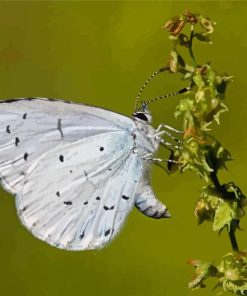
[100,53]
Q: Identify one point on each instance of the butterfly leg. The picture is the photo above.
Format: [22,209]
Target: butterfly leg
[168,127]
[170,162]
[159,160]
[169,145]
[164,129]
[166,133]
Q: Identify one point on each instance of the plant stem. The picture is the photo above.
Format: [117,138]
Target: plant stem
[216,182]
[190,46]
[232,236]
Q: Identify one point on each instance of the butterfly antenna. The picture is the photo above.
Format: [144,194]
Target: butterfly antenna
[181,91]
[146,83]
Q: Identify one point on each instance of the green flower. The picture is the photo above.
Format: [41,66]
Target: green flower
[203,270]
[233,273]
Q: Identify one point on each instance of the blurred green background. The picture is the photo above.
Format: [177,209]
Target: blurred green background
[100,53]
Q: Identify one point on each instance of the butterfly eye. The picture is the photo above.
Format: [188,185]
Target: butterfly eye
[141,116]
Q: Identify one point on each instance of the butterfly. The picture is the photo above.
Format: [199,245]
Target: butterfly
[77,170]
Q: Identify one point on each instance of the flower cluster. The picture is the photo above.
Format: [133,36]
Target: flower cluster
[176,25]
[231,273]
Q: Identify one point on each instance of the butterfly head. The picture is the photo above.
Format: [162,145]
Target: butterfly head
[143,114]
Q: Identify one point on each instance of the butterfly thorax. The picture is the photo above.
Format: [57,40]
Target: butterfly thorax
[144,138]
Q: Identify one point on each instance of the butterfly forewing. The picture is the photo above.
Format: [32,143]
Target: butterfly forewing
[31,127]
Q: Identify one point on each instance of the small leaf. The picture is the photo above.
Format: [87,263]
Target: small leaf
[221,84]
[207,24]
[173,63]
[187,75]
[174,25]
[172,38]
[202,37]
[189,68]
[223,216]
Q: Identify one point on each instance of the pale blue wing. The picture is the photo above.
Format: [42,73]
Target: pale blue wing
[81,202]
[72,167]
[30,127]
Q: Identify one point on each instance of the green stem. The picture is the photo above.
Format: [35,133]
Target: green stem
[190,43]
[234,243]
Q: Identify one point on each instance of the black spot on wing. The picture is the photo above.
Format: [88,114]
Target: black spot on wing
[82,235]
[22,210]
[101,148]
[107,208]
[107,232]
[59,127]
[25,156]
[68,203]
[125,197]
[85,203]
[97,198]
[24,116]
[8,129]
[61,158]
[58,193]
[17,141]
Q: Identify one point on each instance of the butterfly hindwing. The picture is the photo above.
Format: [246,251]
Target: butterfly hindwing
[80,203]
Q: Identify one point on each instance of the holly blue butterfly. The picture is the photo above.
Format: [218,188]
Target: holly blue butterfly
[77,170]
